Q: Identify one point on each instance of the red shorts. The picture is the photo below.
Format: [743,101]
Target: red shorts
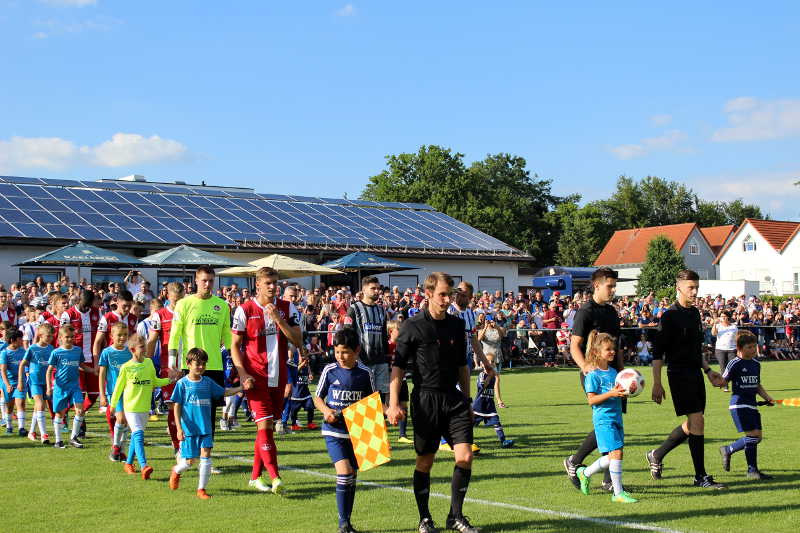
[266,403]
[88,382]
[166,390]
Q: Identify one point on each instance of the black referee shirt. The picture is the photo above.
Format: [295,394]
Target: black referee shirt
[592,315]
[434,350]
[679,341]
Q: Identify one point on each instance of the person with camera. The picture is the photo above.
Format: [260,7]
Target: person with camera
[725,348]
[491,337]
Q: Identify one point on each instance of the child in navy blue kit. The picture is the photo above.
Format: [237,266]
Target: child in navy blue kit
[300,397]
[484,407]
[13,390]
[605,397]
[744,373]
[192,400]
[342,383]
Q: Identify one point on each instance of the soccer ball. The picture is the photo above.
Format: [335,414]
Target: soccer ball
[632,381]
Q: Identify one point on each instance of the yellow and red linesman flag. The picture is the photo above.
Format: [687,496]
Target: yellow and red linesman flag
[792,402]
[365,423]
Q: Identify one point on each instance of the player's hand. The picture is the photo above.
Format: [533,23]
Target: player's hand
[103,401]
[111,411]
[658,393]
[395,414]
[502,405]
[329,415]
[618,391]
[272,312]
[247,381]
[715,378]
[180,434]
[21,388]
[95,371]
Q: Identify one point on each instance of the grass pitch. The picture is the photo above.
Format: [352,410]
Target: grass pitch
[518,489]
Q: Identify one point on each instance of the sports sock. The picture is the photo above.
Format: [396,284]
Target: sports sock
[310,416]
[182,466]
[458,490]
[588,445]
[205,472]
[615,468]
[131,452]
[402,427]
[286,411]
[173,429]
[697,449]
[422,493]
[34,422]
[258,465]
[237,402]
[597,466]
[351,499]
[76,426]
[737,445]
[20,419]
[498,428]
[57,426]
[675,439]
[137,439]
[265,441]
[751,453]
[343,483]
[42,423]
[118,434]
[4,412]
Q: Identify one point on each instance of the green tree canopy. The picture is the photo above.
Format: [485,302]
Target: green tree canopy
[661,266]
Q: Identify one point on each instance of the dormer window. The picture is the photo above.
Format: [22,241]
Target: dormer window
[748,244]
[694,249]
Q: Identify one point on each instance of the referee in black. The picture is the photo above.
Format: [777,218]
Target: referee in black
[679,343]
[432,345]
[596,314]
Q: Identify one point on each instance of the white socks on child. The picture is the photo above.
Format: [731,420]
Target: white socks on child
[58,426]
[20,419]
[615,468]
[118,434]
[76,426]
[205,472]
[42,423]
[182,466]
[595,467]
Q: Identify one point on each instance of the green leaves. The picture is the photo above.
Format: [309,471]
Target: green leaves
[660,268]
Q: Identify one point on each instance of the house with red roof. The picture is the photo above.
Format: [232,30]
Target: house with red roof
[767,251]
[626,250]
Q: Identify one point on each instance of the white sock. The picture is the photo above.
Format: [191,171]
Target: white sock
[76,426]
[21,419]
[118,434]
[4,410]
[182,466]
[205,472]
[42,423]
[58,425]
[34,422]
[615,468]
[595,467]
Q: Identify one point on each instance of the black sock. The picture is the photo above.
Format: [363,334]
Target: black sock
[751,453]
[458,490]
[588,445]
[310,413]
[697,449]
[422,493]
[675,439]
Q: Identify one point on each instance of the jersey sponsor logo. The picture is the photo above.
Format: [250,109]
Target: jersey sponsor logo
[749,379]
[70,363]
[206,320]
[346,395]
[199,402]
[216,308]
[138,381]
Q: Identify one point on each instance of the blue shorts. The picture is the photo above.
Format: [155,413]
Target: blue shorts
[746,419]
[15,393]
[40,390]
[66,398]
[493,420]
[610,436]
[339,449]
[191,445]
[296,405]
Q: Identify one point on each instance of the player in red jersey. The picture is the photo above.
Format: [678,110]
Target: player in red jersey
[58,304]
[7,311]
[103,340]
[261,330]
[161,322]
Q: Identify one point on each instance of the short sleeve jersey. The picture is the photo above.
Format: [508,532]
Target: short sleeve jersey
[470,319]
[594,316]
[370,323]
[12,359]
[111,318]
[67,364]
[113,359]
[202,323]
[679,341]
[37,357]
[136,382]
[300,390]
[744,376]
[195,399]
[340,387]
[599,382]
[434,350]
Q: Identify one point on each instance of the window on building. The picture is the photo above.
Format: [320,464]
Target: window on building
[491,284]
[694,249]
[167,277]
[796,282]
[99,276]
[749,245]
[49,275]
[457,280]
[227,281]
[403,281]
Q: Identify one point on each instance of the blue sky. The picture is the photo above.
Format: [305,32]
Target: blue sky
[308,97]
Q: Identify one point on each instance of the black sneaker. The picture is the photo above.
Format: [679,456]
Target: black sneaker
[571,467]
[59,444]
[609,487]
[114,457]
[426,526]
[757,474]
[725,452]
[655,465]
[707,482]
[461,524]
[76,443]
[23,432]
[347,528]
[45,442]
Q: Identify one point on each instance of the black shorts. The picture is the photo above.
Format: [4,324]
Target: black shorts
[688,390]
[583,386]
[439,414]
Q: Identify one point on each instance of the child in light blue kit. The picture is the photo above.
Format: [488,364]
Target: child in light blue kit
[605,398]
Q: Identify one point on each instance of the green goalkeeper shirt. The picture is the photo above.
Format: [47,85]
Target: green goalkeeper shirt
[201,323]
[136,381]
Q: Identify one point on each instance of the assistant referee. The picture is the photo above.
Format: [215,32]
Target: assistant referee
[433,346]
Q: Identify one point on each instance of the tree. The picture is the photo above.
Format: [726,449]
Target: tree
[661,266]
[724,213]
[496,195]
[584,232]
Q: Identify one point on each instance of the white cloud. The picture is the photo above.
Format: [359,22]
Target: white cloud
[348,10]
[669,140]
[773,191]
[69,3]
[40,35]
[60,27]
[750,119]
[54,153]
[661,120]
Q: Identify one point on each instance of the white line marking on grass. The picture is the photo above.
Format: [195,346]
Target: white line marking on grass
[489,503]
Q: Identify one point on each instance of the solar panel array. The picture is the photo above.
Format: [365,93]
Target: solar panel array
[156,213]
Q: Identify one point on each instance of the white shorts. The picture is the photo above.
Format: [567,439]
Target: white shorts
[137,421]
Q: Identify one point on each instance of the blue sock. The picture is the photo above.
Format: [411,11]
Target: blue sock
[351,496]
[500,433]
[286,411]
[737,445]
[137,439]
[343,497]
[131,451]
[402,427]
[751,453]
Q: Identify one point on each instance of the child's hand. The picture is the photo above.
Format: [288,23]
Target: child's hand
[111,411]
[49,391]
[103,401]
[329,415]
[180,434]
[502,405]
[618,391]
